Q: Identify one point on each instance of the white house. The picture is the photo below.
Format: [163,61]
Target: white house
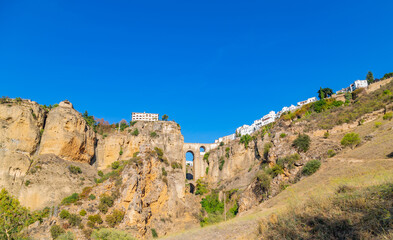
[286,109]
[355,85]
[144,117]
[358,84]
[246,129]
[310,100]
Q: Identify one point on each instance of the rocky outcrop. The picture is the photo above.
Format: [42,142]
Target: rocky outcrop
[124,145]
[20,126]
[67,135]
[147,190]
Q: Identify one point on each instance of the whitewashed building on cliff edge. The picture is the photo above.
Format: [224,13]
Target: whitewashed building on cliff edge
[355,85]
[151,117]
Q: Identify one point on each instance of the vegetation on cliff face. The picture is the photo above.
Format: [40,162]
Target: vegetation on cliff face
[14,217]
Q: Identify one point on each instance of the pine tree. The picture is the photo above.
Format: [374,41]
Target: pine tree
[370,77]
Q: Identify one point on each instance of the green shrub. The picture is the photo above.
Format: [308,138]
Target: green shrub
[115,165]
[100,173]
[326,135]
[92,196]
[302,142]
[132,123]
[206,157]
[27,183]
[111,234]
[311,167]
[264,181]
[227,152]
[153,134]
[70,199]
[288,161]
[214,209]
[245,139]
[56,231]
[164,172]
[221,163]
[331,153]
[377,124]
[276,170]
[82,212]
[74,169]
[221,144]
[96,219]
[74,220]
[154,233]
[105,203]
[266,149]
[211,204]
[115,218]
[350,139]
[135,132]
[233,211]
[159,152]
[175,165]
[121,151]
[388,116]
[64,214]
[201,187]
[207,170]
[66,236]
[283,135]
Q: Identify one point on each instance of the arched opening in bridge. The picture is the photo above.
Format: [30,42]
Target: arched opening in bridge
[192,188]
[202,149]
[189,165]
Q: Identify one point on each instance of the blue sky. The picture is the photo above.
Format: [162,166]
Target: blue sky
[212,66]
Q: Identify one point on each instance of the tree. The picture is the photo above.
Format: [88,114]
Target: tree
[324,92]
[321,93]
[13,217]
[370,77]
[164,117]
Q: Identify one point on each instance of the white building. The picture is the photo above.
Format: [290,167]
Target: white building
[355,85]
[286,109]
[190,163]
[144,117]
[310,100]
[246,129]
[358,84]
[226,139]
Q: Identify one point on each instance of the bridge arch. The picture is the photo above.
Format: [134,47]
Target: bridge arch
[199,166]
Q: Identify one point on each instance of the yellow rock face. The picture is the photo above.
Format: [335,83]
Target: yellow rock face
[67,135]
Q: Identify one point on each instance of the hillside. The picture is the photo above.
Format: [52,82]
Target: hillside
[88,178]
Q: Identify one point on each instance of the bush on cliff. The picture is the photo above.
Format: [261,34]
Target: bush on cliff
[350,140]
[302,142]
[311,167]
[245,139]
[111,234]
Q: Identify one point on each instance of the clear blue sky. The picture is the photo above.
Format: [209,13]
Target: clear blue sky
[212,66]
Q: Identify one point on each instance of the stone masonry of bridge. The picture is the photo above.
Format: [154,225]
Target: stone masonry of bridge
[199,168]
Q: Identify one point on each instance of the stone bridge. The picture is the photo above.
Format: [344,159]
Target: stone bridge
[197,150]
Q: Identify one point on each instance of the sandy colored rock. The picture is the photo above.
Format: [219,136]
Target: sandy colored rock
[67,135]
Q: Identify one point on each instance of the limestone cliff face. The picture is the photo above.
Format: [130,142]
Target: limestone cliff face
[26,170]
[20,125]
[67,135]
[123,145]
[150,193]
